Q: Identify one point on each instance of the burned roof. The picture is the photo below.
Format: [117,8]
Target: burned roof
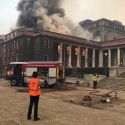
[72,39]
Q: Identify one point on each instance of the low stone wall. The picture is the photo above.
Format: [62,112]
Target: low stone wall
[116,71]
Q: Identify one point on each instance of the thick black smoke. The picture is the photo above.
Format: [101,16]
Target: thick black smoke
[48,15]
[33,12]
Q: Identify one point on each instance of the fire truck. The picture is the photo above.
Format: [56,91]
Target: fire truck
[49,73]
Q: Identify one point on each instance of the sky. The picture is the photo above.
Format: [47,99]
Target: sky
[8,15]
[76,10]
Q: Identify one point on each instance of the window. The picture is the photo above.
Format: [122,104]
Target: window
[12,45]
[4,48]
[45,58]
[110,25]
[94,25]
[6,37]
[46,43]
[17,57]
[19,43]
[14,42]
[13,58]
[14,34]
[9,59]
[101,23]
[107,24]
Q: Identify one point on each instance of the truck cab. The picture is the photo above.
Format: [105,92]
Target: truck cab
[49,73]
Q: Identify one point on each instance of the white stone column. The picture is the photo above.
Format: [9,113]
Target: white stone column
[86,57]
[70,53]
[93,58]
[78,57]
[100,58]
[60,52]
[118,56]
[109,58]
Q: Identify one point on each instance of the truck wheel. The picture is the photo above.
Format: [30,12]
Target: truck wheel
[13,82]
[77,82]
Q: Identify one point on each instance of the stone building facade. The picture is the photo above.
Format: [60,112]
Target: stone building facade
[105,29]
[2,38]
[28,45]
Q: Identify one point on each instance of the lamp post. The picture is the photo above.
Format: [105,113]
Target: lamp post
[106,54]
[105,59]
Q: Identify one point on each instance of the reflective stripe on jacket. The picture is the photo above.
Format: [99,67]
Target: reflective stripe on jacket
[34,87]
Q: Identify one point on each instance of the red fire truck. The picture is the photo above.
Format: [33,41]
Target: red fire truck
[50,73]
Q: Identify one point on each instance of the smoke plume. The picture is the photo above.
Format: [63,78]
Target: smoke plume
[48,15]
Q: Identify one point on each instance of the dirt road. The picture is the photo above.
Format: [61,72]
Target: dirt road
[60,108]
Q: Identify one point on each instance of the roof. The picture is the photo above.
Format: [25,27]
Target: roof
[112,21]
[73,39]
[18,63]
[69,38]
[64,37]
[118,42]
[44,62]
[2,37]
[36,62]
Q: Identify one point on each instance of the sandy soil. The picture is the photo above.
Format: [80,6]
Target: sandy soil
[61,107]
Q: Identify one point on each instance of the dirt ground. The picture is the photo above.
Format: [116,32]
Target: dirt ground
[61,107]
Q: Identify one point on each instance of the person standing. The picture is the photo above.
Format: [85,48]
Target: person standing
[34,92]
[18,75]
[95,79]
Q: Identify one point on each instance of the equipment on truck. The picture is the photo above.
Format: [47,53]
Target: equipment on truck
[49,72]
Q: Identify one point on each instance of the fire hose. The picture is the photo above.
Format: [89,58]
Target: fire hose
[105,97]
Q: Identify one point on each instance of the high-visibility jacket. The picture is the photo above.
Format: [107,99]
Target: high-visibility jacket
[34,87]
[95,78]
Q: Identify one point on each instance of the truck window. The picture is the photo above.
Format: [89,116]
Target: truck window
[52,72]
[17,70]
[29,71]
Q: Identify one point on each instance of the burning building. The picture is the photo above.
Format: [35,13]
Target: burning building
[76,53]
[46,35]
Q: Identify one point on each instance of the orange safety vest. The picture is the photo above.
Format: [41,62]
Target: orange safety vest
[34,87]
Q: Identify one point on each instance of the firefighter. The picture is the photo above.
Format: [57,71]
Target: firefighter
[61,77]
[95,79]
[18,74]
[34,92]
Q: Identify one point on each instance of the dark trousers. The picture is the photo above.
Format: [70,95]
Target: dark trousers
[94,84]
[33,100]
